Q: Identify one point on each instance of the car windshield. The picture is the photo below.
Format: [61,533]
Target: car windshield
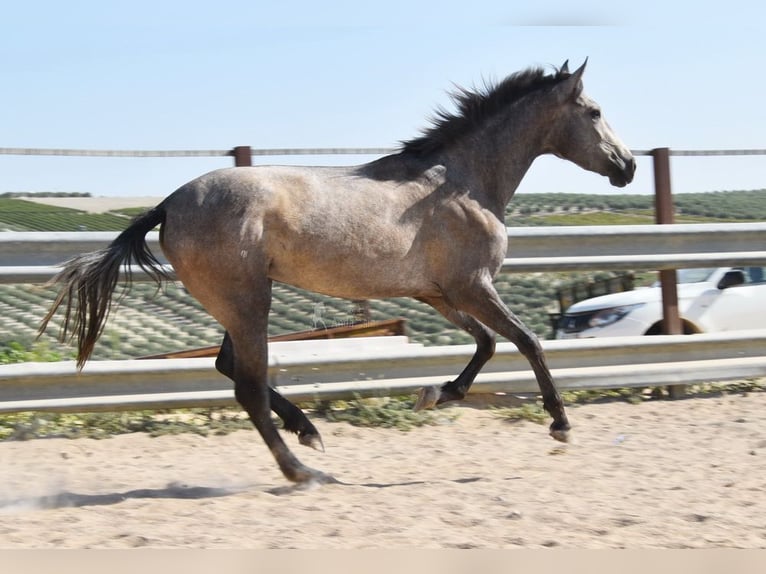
[695,275]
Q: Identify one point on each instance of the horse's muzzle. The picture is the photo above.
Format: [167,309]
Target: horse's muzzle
[623,172]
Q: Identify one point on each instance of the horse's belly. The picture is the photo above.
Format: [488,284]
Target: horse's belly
[356,280]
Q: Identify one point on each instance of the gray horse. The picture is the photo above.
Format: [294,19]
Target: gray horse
[426,222]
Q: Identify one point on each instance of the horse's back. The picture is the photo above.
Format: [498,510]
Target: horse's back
[236,187]
[230,196]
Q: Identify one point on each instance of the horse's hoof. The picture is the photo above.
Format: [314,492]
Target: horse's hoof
[561,435]
[427,397]
[316,479]
[561,432]
[309,480]
[326,479]
[312,440]
[310,477]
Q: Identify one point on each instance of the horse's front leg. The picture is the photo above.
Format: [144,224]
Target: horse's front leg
[485,347]
[294,419]
[482,302]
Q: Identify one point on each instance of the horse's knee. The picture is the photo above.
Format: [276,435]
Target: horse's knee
[486,345]
[527,343]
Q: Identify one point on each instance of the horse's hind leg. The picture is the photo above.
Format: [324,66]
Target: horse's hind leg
[294,419]
[250,373]
[485,347]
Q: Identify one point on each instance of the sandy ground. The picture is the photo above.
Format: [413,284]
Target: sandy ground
[670,474]
[96,204]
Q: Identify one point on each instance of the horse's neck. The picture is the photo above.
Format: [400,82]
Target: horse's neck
[489,164]
[492,177]
[497,157]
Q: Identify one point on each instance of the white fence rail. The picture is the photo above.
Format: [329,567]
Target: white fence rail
[32,257]
[334,369]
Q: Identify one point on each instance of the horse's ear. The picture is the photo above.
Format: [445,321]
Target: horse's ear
[571,87]
[579,71]
[565,68]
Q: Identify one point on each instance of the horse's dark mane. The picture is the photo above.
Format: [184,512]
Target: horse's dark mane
[475,106]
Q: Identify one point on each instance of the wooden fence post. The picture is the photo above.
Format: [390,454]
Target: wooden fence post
[663,214]
[243,156]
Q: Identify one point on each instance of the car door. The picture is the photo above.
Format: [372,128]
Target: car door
[740,306]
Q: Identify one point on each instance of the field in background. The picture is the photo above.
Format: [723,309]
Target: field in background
[148,322]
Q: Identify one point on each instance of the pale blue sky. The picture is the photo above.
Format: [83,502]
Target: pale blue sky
[146,74]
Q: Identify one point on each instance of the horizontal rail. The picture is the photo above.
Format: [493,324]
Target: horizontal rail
[624,376]
[300,151]
[377,366]
[190,153]
[32,248]
[13,274]
[716,152]
[113,153]
[529,248]
[600,240]
[654,262]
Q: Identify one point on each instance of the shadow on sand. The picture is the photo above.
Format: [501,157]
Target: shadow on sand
[75,500]
[173,490]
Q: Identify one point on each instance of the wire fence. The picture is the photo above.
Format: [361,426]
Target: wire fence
[299,151]
[191,153]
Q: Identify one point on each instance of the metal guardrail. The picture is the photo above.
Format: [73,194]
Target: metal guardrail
[305,375]
[32,257]
[337,369]
[635,246]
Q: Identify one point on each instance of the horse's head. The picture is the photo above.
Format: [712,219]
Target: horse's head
[582,135]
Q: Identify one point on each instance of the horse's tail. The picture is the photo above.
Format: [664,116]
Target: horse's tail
[89,281]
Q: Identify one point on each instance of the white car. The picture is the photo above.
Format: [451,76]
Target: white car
[709,300]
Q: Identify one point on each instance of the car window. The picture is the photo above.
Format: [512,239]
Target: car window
[695,275]
[755,274]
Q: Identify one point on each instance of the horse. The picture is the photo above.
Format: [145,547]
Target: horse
[426,222]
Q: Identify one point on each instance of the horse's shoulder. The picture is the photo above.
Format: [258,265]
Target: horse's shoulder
[471,213]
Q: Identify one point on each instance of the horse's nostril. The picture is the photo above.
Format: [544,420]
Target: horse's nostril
[630,169]
[627,164]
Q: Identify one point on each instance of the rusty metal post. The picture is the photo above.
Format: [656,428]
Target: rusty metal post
[243,156]
[663,214]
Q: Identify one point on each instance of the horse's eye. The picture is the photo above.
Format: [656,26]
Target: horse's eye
[595,114]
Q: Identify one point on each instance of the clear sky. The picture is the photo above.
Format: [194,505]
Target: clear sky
[154,75]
